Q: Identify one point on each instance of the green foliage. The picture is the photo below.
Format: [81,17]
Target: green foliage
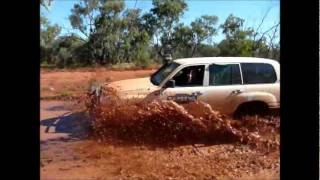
[237,41]
[142,58]
[188,39]
[203,28]
[165,16]
[233,28]
[205,50]
[113,34]
[183,41]
[82,16]
[116,33]
[230,47]
[45,4]
[48,35]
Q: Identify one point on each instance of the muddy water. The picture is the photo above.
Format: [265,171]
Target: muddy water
[167,122]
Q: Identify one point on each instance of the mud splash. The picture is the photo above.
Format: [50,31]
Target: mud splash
[166,122]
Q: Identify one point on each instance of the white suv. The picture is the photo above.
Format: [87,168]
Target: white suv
[231,85]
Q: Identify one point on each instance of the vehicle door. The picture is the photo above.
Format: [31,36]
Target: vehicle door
[224,91]
[188,86]
[260,80]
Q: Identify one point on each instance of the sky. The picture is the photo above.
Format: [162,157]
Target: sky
[252,11]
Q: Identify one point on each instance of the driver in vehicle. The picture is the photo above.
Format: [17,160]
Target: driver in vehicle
[190,75]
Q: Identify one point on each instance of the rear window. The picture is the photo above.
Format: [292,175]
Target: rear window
[228,74]
[258,73]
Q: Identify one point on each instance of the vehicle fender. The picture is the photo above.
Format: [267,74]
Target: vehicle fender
[245,97]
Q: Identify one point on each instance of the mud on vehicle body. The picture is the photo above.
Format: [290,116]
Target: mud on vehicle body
[232,85]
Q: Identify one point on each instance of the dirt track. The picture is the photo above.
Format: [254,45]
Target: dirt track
[67,153]
[64,83]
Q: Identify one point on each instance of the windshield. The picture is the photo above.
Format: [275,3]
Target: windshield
[162,73]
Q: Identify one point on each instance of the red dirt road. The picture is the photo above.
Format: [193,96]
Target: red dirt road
[67,153]
[64,83]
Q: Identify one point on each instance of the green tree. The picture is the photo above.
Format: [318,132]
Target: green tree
[163,18]
[45,3]
[110,33]
[186,40]
[107,40]
[183,41]
[83,15]
[207,50]
[115,34]
[64,50]
[237,42]
[48,34]
[82,18]
[203,29]
[232,27]
[136,38]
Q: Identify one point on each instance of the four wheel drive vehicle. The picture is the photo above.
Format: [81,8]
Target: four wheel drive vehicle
[231,85]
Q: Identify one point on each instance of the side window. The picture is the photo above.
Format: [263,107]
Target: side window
[227,74]
[190,76]
[258,73]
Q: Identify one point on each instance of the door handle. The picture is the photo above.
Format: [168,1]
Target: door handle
[237,91]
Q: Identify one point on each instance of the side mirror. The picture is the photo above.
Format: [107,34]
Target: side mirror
[170,84]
